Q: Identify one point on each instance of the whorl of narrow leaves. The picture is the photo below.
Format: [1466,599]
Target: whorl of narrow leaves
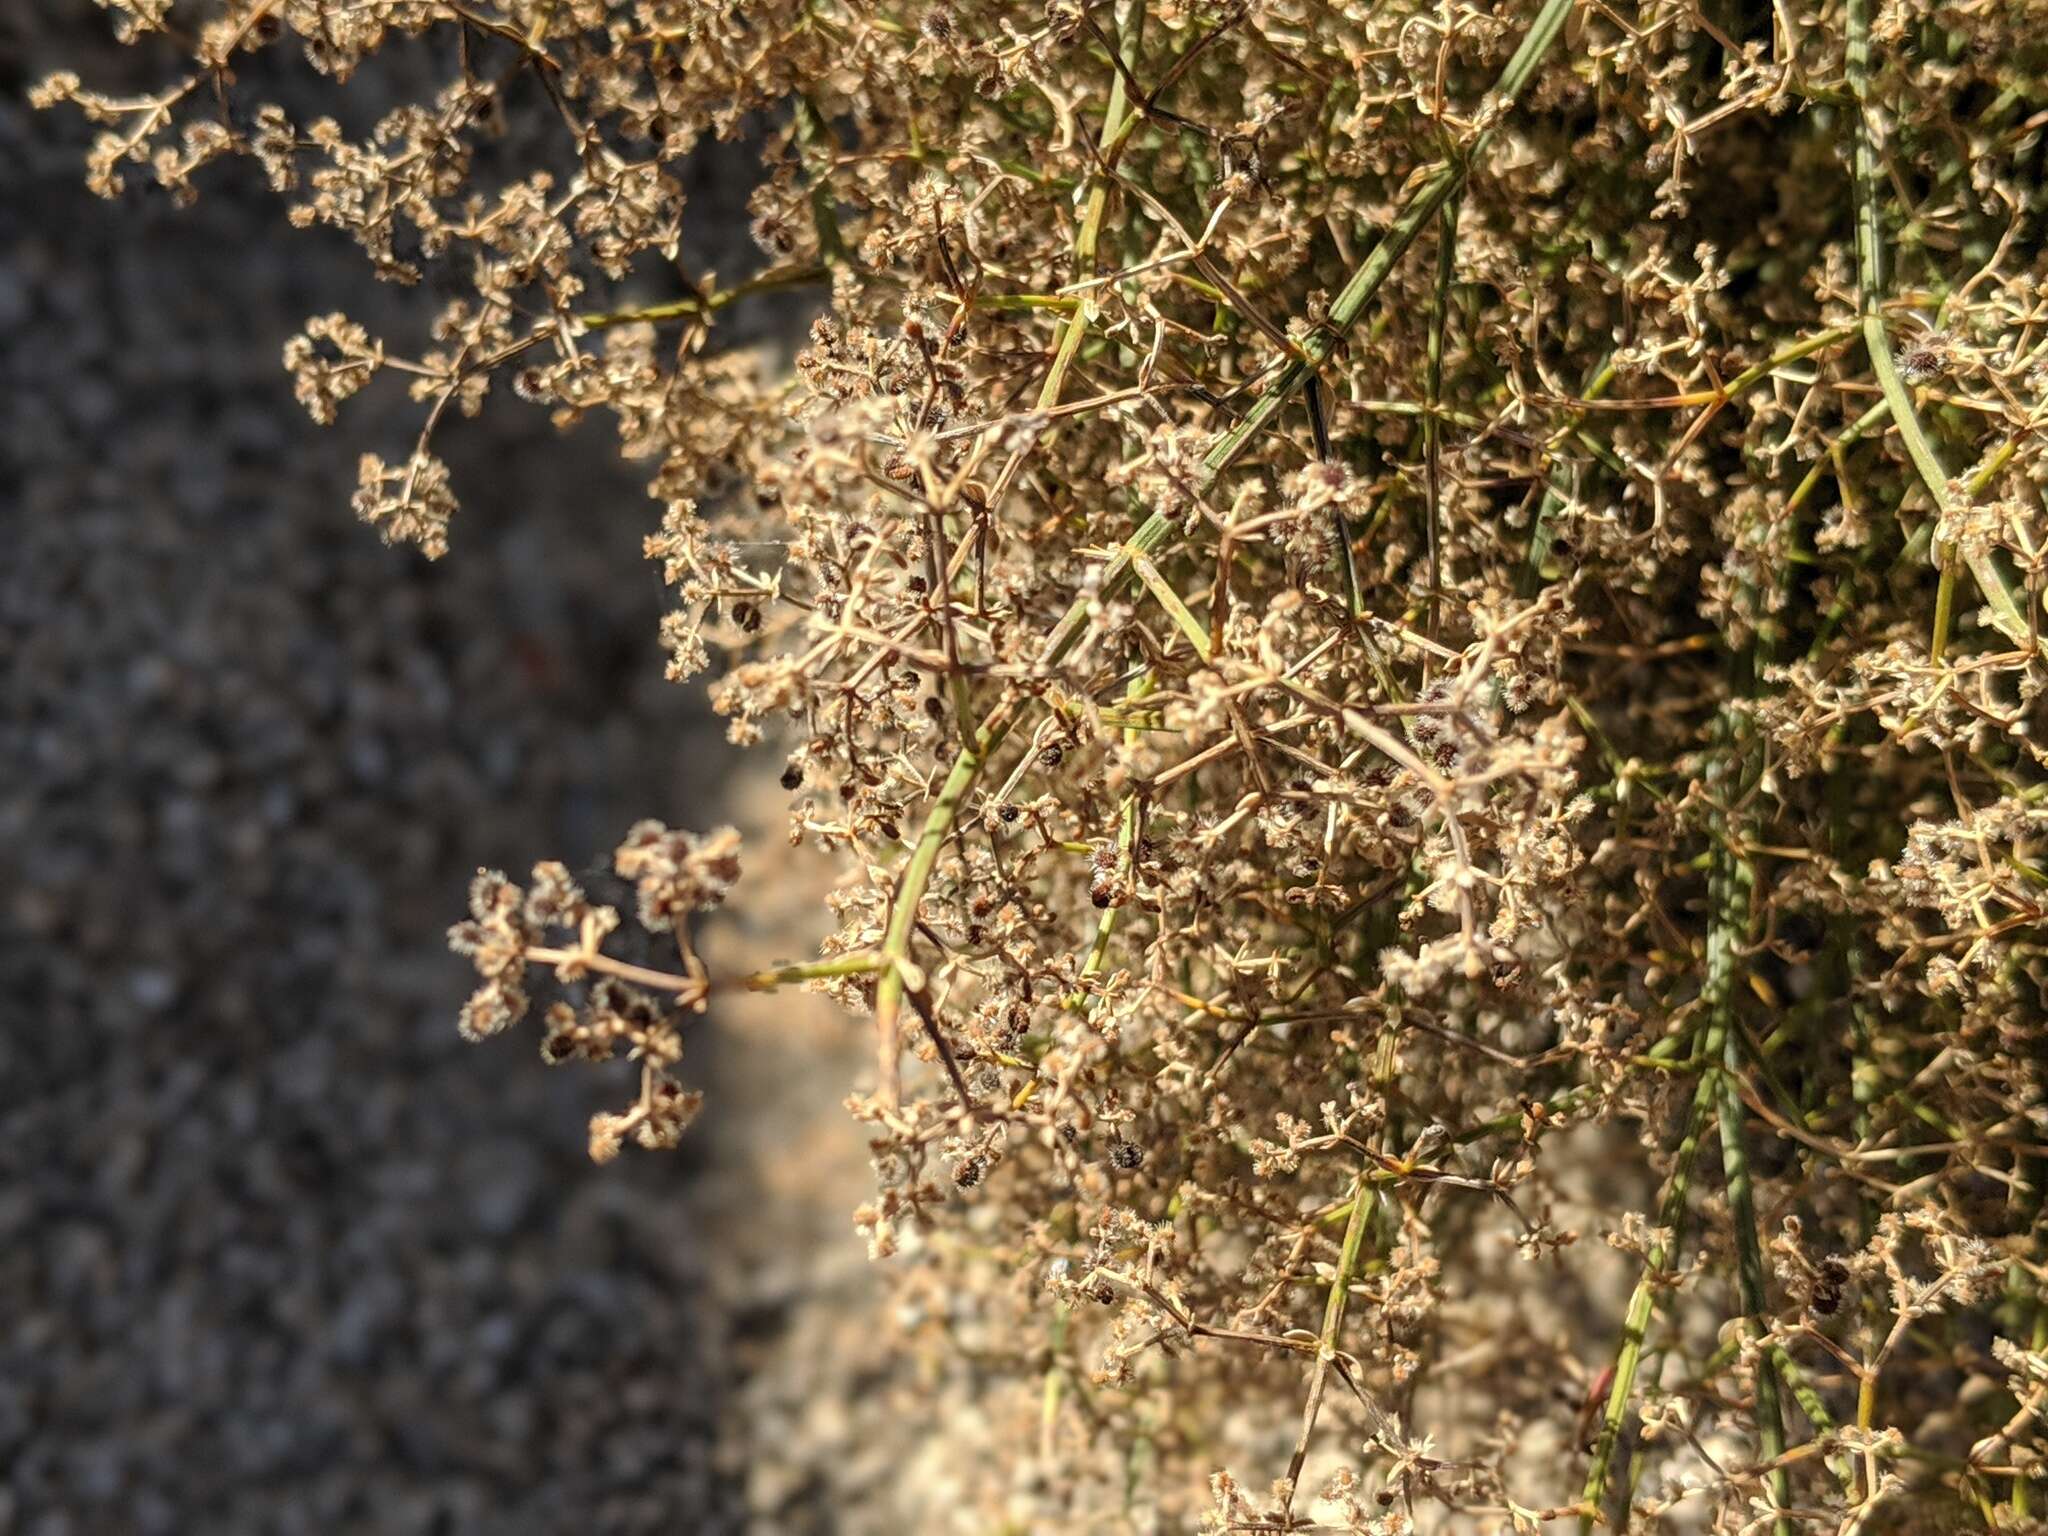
[1416,631]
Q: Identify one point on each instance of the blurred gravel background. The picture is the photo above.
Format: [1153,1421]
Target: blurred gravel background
[278,1252]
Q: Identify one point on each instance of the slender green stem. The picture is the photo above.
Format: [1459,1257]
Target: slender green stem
[1944,608]
[916,876]
[1196,631]
[1347,559]
[1543,533]
[996,727]
[1853,433]
[674,309]
[1127,843]
[1918,539]
[1115,123]
[1792,352]
[2038,1343]
[1728,927]
[1333,1313]
[1636,1325]
[1355,1224]
[1816,1412]
[2006,612]
[1422,205]
[1433,391]
[1733,876]
[862,963]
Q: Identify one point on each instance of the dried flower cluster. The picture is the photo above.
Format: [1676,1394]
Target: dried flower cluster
[623,1008]
[1378,601]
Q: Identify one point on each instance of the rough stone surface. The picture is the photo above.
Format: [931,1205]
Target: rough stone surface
[278,1252]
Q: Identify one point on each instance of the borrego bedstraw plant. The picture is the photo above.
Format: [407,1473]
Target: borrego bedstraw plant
[1371,597]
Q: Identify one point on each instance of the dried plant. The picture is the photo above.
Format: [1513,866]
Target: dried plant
[1375,602]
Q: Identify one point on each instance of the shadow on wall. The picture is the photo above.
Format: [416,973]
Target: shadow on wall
[278,1252]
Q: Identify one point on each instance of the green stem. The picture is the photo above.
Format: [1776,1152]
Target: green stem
[862,963]
[1340,1283]
[1127,840]
[916,876]
[674,309]
[1728,926]
[1734,877]
[1422,205]
[1115,122]
[1543,534]
[2039,1343]
[1433,390]
[1635,1326]
[2006,612]
[1182,616]
[1333,1317]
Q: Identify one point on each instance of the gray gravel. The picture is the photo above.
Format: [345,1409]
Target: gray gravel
[278,1253]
